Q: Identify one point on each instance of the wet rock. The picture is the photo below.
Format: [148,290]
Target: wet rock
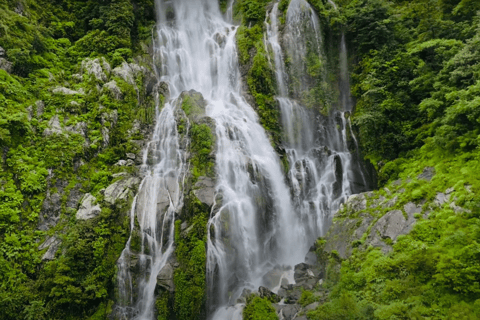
[6,65]
[163,89]
[66,91]
[114,90]
[293,295]
[266,293]
[121,190]
[52,243]
[244,295]
[427,174]
[311,258]
[165,278]
[205,190]
[306,276]
[88,208]
[288,312]
[338,184]
[95,67]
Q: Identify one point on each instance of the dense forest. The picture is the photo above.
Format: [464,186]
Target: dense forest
[78,99]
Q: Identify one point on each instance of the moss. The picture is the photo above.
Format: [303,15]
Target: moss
[163,306]
[189,278]
[259,309]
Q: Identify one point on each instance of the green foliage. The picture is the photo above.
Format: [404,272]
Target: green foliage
[252,11]
[259,309]
[189,278]
[433,271]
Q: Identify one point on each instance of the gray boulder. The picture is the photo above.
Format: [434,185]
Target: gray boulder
[50,213]
[356,202]
[391,225]
[411,208]
[66,91]
[6,65]
[427,174]
[88,208]
[113,89]
[96,67]
[121,190]
[127,72]
[287,312]
[204,190]
[54,127]
[165,278]
[52,243]
[343,234]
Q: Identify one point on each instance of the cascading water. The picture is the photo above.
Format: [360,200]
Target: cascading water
[321,174]
[160,196]
[253,228]
[255,232]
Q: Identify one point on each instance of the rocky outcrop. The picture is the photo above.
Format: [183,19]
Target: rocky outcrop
[113,89]
[89,208]
[4,63]
[53,244]
[204,189]
[121,190]
[99,68]
[66,91]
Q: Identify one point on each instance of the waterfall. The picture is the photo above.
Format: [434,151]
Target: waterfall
[321,166]
[262,223]
[153,212]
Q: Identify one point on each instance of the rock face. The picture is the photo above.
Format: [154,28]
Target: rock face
[6,65]
[121,189]
[52,243]
[96,67]
[88,208]
[165,278]
[54,127]
[114,90]
[204,189]
[346,233]
[66,91]
[390,226]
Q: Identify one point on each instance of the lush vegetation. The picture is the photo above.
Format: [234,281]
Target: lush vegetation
[258,308]
[57,145]
[415,78]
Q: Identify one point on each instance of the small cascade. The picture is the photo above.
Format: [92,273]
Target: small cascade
[321,167]
[159,197]
[301,24]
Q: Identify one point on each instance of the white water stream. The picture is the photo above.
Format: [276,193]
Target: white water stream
[260,227]
[322,172]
